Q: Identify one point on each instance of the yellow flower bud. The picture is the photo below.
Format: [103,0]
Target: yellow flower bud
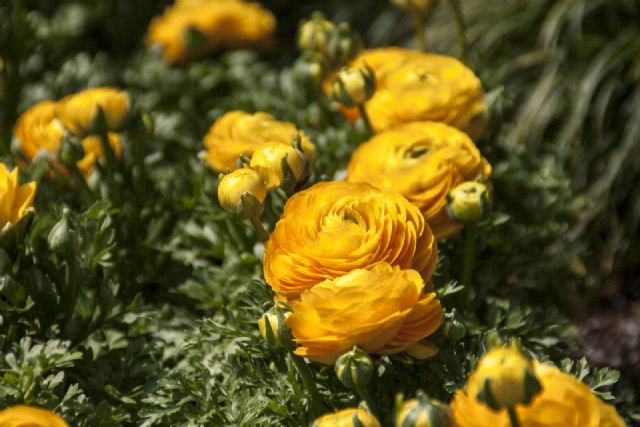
[315,33]
[423,412]
[413,5]
[351,417]
[235,187]
[505,378]
[22,415]
[353,86]
[344,45]
[277,163]
[354,369]
[78,112]
[271,328]
[15,199]
[468,202]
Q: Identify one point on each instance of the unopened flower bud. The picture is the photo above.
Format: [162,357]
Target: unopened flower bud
[344,45]
[315,33]
[62,238]
[505,378]
[310,69]
[353,86]
[423,412]
[242,192]
[279,165]
[350,417]
[354,369]
[468,202]
[70,152]
[272,328]
[412,5]
[423,350]
[453,329]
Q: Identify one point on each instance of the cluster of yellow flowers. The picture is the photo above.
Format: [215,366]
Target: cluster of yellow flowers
[40,130]
[195,27]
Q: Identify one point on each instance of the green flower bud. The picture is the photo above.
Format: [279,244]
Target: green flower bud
[454,329]
[315,33]
[468,202]
[62,238]
[310,69]
[354,369]
[423,412]
[344,45]
[70,152]
[273,329]
[353,86]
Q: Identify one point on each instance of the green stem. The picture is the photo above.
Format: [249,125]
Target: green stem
[80,180]
[469,256]
[513,417]
[460,27]
[317,407]
[365,395]
[109,155]
[255,220]
[421,34]
[365,118]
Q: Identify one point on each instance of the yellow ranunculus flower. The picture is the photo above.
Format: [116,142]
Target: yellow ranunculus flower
[222,24]
[15,199]
[239,182]
[78,112]
[267,161]
[38,131]
[415,86]
[335,227]
[564,401]
[29,416]
[383,310]
[237,133]
[345,418]
[423,161]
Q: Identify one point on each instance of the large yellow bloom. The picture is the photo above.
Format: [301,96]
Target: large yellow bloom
[563,402]
[416,86]
[382,311]
[78,112]
[223,24]
[38,131]
[29,416]
[423,161]
[15,199]
[345,418]
[335,227]
[237,133]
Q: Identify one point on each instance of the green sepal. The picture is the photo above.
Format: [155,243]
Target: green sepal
[485,396]
[532,386]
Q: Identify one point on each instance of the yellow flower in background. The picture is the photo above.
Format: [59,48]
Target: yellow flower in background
[415,86]
[78,112]
[335,227]
[239,182]
[29,416]
[15,199]
[419,5]
[423,161]
[267,161]
[351,417]
[237,133]
[564,401]
[220,24]
[38,131]
[383,310]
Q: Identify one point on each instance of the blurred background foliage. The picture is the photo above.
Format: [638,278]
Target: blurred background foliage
[155,324]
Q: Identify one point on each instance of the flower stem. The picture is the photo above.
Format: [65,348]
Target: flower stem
[460,27]
[365,395]
[365,117]
[317,407]
[469,256]
[421,34]
[513,417]
[255,220]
